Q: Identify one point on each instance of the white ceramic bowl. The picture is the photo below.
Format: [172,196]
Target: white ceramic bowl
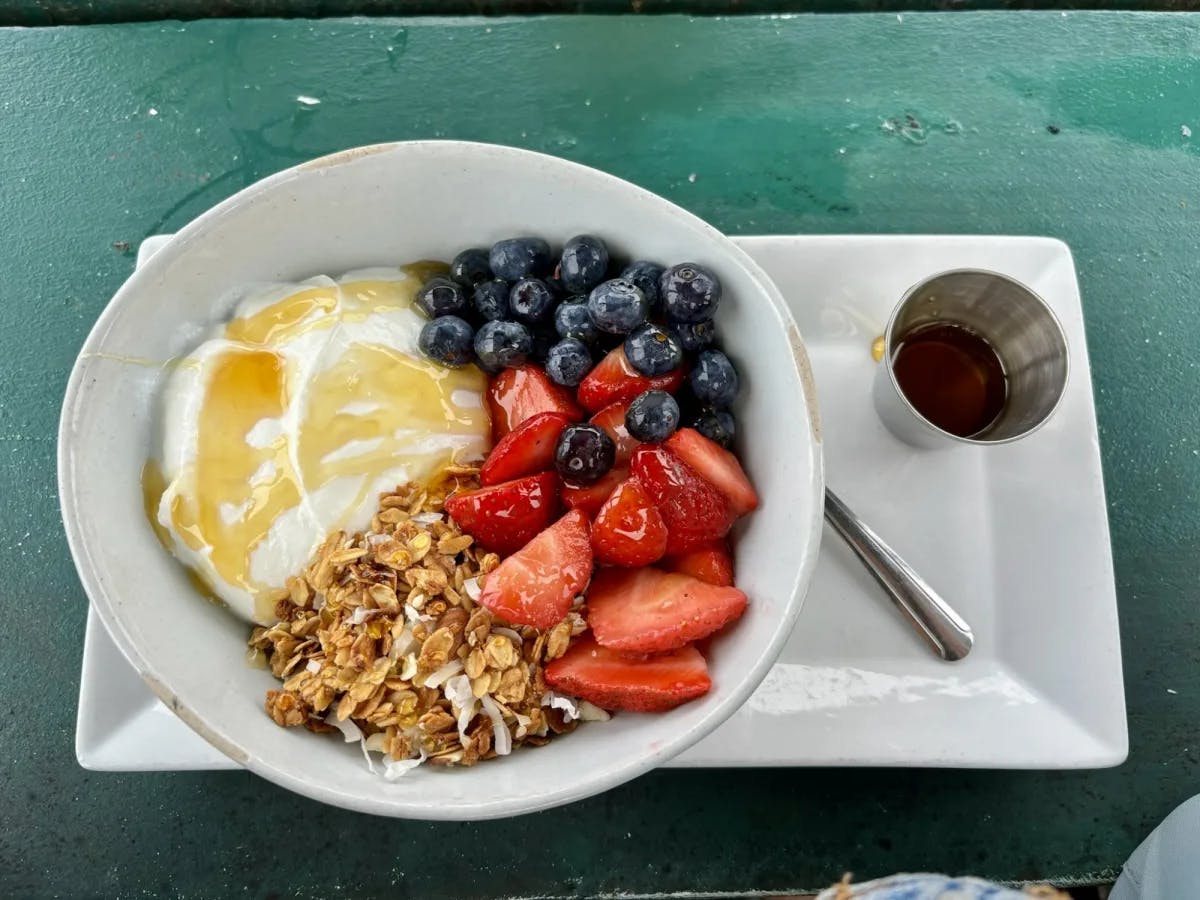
[389,204]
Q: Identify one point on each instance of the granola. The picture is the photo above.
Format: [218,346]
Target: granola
[380,637]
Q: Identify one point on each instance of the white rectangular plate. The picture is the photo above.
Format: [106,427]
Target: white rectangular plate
[1015,537]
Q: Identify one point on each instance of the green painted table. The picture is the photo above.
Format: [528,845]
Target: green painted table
[1074,125]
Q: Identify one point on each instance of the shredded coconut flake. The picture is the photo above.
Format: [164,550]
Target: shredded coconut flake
[563,702]
[465,715]
[501,739]
[361,615]
[350,731]
[402,644]
[410,667]
[413,615]
[458,691]
[367,756]
[427,518]
[398,768]
[375,540]
[471,586]
[313,666]
[437,676]
[522,724]
[590,712]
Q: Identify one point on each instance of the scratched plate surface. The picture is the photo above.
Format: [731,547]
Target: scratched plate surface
[1016,536]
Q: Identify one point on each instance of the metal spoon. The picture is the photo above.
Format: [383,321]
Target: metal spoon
[944,629]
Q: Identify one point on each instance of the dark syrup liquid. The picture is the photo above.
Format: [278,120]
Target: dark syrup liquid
[952,377]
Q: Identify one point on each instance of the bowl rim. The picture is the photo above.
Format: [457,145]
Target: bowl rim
[102,597]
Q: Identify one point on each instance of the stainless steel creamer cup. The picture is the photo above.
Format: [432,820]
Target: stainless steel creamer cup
[1019,326]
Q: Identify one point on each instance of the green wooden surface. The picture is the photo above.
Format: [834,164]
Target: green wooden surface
[1068,125]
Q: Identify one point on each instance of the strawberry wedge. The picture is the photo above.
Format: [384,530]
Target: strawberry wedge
[537,584]
[614,680]
[526,450]
[590,497]
[710,562]
[614,380]
[717,466]
[629,529]
[647,610]
[695,511]
[504,517]
[518,394]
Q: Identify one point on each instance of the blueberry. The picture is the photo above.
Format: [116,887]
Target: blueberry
[531,301]
[646,274]
[584,454]
[694,336]
[584,263]
[652,417]
[716,425]
[617,306]
[441,297]
[491,299]
[448,340]
[568,362]
[502,345]
[690,292]
[470,267]
[520,257]
[652,351]
[572,320]
[714,380]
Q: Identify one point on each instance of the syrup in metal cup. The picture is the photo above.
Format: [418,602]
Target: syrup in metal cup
[970,356]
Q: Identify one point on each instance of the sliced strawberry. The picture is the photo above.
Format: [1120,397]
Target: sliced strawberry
[537,584]
[517,394]
[590,497]
[526,450]
[648,610]
[615,680]
[712,563]
[614,380]
[716,465]
[612,420]
[504,517]
[694,510]
[629,529]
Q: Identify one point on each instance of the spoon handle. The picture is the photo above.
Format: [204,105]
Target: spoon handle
[940,625]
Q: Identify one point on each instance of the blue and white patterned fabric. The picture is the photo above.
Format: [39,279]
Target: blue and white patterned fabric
[924,887]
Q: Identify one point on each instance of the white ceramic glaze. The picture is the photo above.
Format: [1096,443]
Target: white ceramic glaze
[389,204]
[853,685]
